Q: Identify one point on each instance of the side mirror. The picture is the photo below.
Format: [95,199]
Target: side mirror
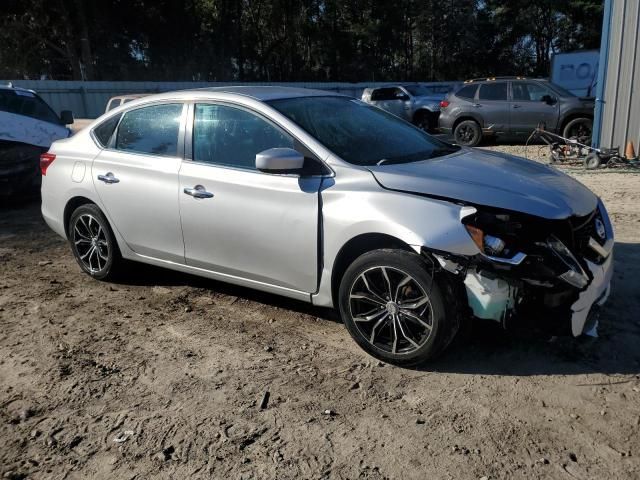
[402,96]
[548,99]
[279,160]
[66,117]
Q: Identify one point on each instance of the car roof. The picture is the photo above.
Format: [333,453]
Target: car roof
[491,79]
[131,95]
[260,93]
[266,93]
[11,87]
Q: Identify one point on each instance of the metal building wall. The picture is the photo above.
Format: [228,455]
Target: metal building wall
[618,106]
[89,99]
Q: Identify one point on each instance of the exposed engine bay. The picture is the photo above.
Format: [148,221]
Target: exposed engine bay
[554,273]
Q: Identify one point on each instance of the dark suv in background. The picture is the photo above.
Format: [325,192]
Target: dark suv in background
[417,103]
[513,107]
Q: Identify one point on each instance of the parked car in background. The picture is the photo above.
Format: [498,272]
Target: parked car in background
[28,126]
[325,199]
[513,107]
[115,102]
[414,102]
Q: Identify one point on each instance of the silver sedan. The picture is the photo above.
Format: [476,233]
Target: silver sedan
[325,199]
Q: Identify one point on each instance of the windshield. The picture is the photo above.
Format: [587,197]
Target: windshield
[428,90]
[359,133]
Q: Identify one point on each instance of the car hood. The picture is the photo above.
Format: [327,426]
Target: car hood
[492,179]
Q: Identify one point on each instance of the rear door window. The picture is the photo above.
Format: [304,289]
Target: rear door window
[493,91]
[152,130]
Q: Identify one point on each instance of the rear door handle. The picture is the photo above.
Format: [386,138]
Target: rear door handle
[197,192]
[108,178]
[517,106]
[477,105]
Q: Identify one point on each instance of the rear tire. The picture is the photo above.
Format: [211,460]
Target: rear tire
[392,304]
[93,244]
[467,133]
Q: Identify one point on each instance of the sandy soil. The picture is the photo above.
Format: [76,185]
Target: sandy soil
[163,376]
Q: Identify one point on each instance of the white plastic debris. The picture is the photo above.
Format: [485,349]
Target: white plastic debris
[123,436]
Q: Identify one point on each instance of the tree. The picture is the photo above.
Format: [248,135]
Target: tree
[290,40]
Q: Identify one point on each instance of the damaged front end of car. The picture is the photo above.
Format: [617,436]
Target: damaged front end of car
[553,274]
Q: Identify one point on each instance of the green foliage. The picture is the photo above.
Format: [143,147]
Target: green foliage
[290,40]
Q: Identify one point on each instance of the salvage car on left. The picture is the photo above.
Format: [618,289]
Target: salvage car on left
[28,127]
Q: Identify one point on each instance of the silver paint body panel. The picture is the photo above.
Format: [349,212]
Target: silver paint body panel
[282,233]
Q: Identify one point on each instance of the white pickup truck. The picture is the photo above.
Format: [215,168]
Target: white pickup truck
[28,127]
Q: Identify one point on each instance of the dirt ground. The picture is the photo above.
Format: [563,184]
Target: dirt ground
[163,376]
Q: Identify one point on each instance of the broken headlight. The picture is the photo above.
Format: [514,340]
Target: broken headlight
[486,243]
[494,245]
[574,275]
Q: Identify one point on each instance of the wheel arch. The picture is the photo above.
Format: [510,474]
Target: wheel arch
[357,246]
[71,206]
[570,117]
[464,117]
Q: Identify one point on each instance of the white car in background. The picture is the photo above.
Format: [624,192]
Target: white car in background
[28,127]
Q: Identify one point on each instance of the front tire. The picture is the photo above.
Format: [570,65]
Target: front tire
[467,133]
[93,243]
[391,302]
[580,129]
[426,121]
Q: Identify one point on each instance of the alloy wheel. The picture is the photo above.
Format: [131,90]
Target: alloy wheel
[391,310]
[90,240]
[580,131]
[465,133]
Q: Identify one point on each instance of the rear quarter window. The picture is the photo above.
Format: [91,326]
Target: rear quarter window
[467,92]
[104,131]
[493,91]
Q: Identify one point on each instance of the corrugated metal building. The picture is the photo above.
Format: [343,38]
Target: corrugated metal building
[617,115]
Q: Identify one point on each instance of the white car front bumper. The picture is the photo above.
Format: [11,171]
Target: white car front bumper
[595,294]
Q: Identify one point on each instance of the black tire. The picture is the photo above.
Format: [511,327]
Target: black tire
[427,121]
[467,133]
[579,128]
[414,343]
[592,161]
[89,229]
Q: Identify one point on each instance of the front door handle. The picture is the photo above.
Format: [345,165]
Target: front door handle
[198,192]
[517,106]
[108,178]
[477,105]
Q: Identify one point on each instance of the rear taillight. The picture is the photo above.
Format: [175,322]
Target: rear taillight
[444,104]
[46,159]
